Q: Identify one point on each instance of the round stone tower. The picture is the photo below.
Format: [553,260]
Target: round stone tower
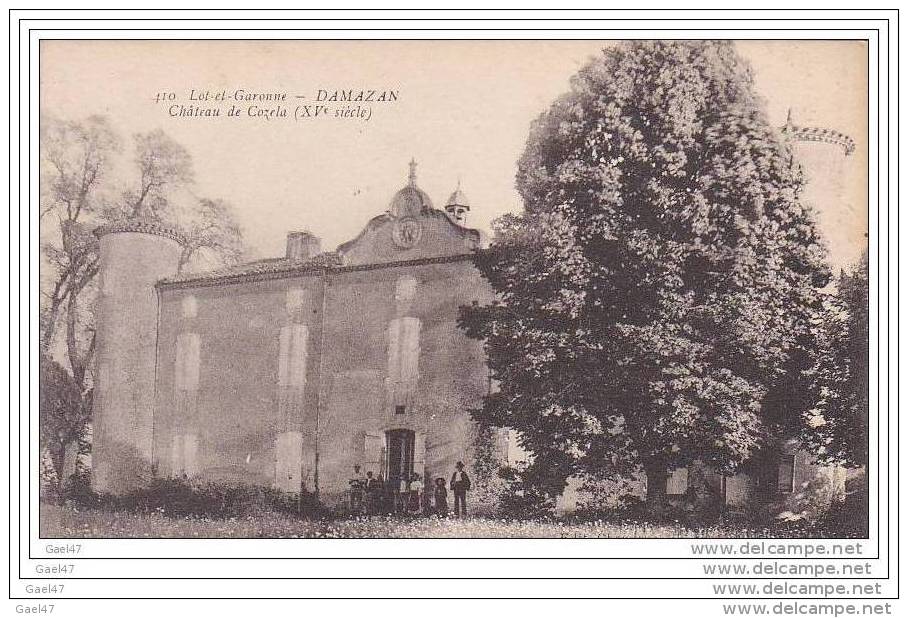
[134,256]
[822,153]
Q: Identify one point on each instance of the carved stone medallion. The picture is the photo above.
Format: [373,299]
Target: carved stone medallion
[406,232]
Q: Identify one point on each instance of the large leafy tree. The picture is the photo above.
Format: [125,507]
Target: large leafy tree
[660,277]
[836,429]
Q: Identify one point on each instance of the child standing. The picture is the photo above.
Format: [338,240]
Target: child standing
[441,498]
[416,491]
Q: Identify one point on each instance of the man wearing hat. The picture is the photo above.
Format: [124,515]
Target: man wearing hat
[460,483]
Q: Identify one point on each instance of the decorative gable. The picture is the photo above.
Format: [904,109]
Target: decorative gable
[428,234]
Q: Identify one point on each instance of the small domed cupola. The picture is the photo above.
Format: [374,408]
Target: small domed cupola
[411,201]
[458,206]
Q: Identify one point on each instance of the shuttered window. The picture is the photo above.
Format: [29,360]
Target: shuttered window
[676,484]
[517,455]
[176,455]
[292,355]
[786,473]
[419,455]
[294,302]
[374,453]
[187,362]
[403,349]
[191,454]
[287,459]
[405,289]
[184,455]
[189,306]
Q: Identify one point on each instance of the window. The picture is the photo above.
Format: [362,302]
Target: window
[294,303]
[184,455]
[403,349]
[287,453]
[786,473]
[186,369]
[517,456]
[405,289]
[374,453]
[292,355]
[189,306]
[400,409]
[676,484]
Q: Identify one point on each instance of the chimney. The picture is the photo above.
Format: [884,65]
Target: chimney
[302,245]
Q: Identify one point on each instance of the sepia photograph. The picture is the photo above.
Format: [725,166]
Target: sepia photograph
[472,289]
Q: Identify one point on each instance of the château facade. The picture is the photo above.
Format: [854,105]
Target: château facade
[287,372]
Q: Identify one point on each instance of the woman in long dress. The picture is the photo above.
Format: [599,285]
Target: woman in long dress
[414,505]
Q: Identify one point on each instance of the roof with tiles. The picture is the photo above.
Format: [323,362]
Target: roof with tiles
[818,134]
[276,266]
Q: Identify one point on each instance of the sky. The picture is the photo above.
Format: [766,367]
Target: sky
[463,112]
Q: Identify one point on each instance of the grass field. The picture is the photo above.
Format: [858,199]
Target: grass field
[71,522]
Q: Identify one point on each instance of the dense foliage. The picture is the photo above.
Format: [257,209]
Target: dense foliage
[837,428]
[63,410]
[174,497]
[662,274]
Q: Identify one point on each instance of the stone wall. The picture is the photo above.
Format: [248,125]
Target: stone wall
[318,365]
[248,409]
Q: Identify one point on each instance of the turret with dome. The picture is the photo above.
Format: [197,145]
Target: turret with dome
[410,201]
[412,228]
[458,205]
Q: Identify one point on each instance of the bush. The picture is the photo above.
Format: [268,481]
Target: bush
[521,500]
[622,499]
[622,509]
[846,518]
[196,499]
[601,497]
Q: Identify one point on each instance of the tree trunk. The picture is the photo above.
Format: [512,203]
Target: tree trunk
[53,313]
[656,480]
[72,347]
[57,451]
[70,456]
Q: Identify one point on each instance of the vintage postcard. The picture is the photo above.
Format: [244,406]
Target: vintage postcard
[388,288]
[589,293]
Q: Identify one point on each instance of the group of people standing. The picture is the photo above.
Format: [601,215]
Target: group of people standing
[373,495]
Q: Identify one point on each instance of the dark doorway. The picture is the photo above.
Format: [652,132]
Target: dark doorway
[400,456]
